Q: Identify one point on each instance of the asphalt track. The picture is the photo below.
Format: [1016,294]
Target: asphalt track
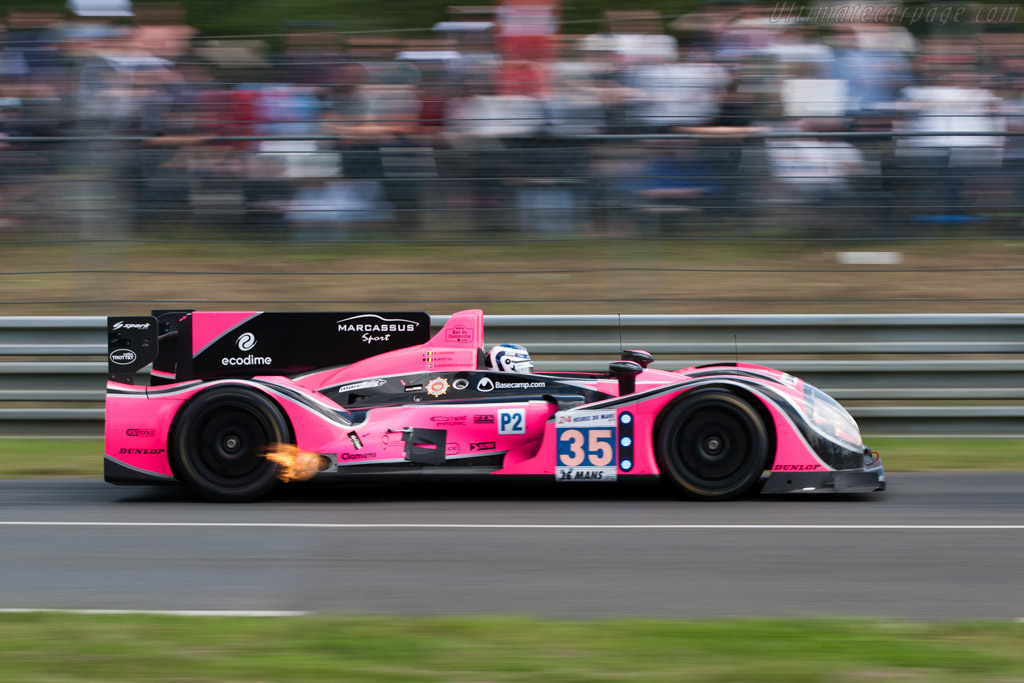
[954,548]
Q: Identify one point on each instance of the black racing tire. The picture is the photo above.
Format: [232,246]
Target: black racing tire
[218,439]
[712,445]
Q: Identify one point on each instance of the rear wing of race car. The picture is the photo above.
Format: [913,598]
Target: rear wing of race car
[184,345]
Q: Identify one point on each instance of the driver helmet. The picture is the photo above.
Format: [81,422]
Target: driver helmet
[510,358]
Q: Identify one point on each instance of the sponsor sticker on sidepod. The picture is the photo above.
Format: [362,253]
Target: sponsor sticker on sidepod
[487,384]
[368,384]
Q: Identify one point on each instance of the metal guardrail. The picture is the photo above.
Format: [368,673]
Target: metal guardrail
[898,374]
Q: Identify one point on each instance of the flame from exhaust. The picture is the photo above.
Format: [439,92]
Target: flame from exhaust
[293,464]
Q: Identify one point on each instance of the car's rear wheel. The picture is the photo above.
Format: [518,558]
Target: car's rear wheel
[712,445]
[218,443]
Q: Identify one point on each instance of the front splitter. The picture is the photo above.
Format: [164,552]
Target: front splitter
[842,481]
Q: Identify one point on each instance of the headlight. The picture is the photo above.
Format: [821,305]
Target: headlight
[828,418]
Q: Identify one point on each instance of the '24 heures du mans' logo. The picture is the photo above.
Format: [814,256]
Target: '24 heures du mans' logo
[375,328]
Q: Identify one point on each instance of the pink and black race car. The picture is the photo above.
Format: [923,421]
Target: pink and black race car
[240,400]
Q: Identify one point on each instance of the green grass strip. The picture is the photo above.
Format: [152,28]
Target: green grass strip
[22,458]
[949,455]
[60,647]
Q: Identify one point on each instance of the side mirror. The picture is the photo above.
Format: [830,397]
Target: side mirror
[625,371]
[641,358]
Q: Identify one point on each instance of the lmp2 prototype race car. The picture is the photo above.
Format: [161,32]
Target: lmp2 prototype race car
[239,401]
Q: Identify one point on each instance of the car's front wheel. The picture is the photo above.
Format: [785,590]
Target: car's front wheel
[712,445]
[218,443]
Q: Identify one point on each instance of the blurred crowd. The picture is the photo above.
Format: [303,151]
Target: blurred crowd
[728,117]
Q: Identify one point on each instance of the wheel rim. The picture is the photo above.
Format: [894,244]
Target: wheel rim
[228,446]
[712,449]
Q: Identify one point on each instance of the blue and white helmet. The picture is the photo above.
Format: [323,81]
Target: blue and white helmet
[510,358]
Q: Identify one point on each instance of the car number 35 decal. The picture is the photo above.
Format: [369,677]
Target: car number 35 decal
[600,446]
[586,446]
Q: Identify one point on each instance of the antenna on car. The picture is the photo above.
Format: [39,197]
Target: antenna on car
[619,316]
[736,348]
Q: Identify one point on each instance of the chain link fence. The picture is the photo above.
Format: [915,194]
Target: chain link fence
[817,186]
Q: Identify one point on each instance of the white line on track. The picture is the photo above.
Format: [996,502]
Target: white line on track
[168,612]
[410,525]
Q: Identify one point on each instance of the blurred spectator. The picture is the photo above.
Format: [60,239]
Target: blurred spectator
[951,160]
[673,181]
[874,69]
[671,93]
